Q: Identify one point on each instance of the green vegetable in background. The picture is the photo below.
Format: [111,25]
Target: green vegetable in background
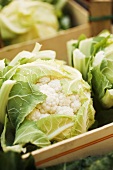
[93,57]
[59,4]
[14,161]
[103,162]
[48,102]
[26,20]
[4,3]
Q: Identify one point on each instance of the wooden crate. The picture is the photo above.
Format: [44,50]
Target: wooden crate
[98,141]
[94,142]
[57,43]
[100,14]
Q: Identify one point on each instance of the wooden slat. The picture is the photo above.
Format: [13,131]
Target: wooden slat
[57,43]
[94,142]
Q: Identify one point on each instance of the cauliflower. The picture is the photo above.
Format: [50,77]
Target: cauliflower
[56,102]
[25,20]
[49,101]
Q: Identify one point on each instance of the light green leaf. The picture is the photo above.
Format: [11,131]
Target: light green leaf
[60,127]
[85,46]
[9,71]
[99,82]
[2,65]
[55,125]
[75,86]
[107,99]
[29,133]
[31,72]
[7,138]
[22,58]
[23,98]
[70,47]
[84,118]
[4,95]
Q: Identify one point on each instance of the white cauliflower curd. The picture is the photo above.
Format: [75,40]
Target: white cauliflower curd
[56,102]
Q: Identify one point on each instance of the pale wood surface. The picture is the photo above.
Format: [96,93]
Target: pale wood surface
[94,142]
[57,43]
[100,8]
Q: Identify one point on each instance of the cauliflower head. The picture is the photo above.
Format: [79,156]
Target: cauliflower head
[49,100]
[26,20]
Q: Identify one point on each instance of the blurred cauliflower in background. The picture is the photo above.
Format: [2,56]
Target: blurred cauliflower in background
[25,20]
[30,19]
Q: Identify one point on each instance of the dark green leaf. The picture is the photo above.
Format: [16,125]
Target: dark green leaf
[4,2]
[14,161]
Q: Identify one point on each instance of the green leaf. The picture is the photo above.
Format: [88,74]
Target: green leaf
[28,57]
[60,127]
[3,3]
[56,125]
[4,95]
[84,118]
[75,86]
[79,52]
[2,65]
[99,43]
[99,82]
[31,72]
[9,71]
[71,45]
[28,132]
[22,58]
[23,98]
[85,46]
[107,100]
[12,160]
[7,138]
